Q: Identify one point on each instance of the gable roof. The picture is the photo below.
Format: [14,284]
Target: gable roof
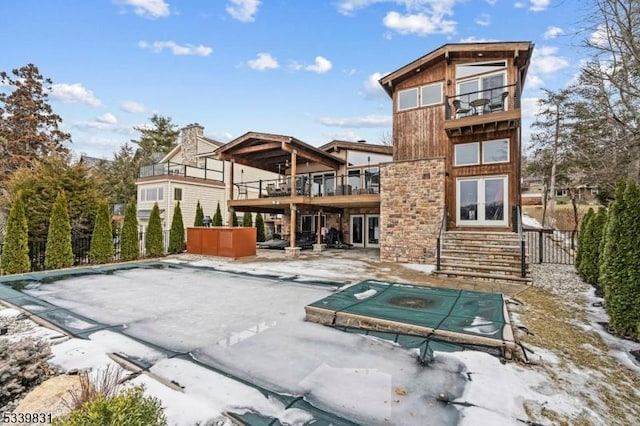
[268,151]
[521,50]
[212,142]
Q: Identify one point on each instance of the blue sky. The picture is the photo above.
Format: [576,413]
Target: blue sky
[305,68]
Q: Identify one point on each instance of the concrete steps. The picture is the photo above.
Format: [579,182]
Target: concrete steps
[482,256]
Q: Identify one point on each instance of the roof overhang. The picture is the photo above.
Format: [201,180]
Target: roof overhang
[520,50]
[337,145]
[273,152]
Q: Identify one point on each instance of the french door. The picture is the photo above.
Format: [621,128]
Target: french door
[365,230]
[482,201]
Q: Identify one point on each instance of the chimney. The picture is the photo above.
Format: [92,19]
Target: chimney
[190,135]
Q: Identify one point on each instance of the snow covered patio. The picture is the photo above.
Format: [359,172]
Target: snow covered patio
[237,343]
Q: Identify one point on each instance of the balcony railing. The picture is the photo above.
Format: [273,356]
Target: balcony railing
[311,186]
[175,169]
[482,102]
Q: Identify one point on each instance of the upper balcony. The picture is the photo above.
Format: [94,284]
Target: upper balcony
[175,170]
[490,109]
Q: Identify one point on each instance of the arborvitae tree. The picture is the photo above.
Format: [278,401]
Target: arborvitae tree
[101,239]
[591,255]
[59,252]
[581,237]
[260,228]
[176,237]
[613,270]
[15,252]
[199,215]
[129,248]
[217,217]
[632,219]
[153,240]
[234,220]
[247,220]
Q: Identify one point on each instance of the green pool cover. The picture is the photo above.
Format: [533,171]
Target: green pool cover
[443,314]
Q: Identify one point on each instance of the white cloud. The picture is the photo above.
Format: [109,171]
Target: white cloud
[372,88]
[419,23]
[243,10]
[545,61]
[72,93]
[599,36]
[147,8]
[529,107]
[483,20]
[263,62]
[518,5]
[321,65]
[175,48]
[349,136]
[534,82]
[295,66]
[553,32]
[491,2]
[132,107]
[107,118]
[358,122]
[539,5]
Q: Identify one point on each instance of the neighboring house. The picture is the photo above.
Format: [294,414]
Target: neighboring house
[188,174]
[454,164]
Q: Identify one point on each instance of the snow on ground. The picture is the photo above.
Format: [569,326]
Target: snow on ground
[427,269]
[255,328]
[530,222]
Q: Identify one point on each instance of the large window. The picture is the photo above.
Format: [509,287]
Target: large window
[482,80]
[430,94]
[469,154]
[151,194]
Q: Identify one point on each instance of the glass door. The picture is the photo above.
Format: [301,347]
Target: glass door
[357,230]
[373,230]
[482,201]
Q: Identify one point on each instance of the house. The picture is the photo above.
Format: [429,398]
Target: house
[188,174]
[452,174]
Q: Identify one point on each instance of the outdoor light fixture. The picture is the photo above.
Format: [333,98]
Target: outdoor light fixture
[206,221]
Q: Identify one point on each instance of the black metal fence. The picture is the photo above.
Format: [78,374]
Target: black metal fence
[81,247]
[551,246]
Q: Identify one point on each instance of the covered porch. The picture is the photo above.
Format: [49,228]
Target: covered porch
[312,192]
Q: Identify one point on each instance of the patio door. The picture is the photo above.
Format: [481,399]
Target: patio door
[357,230]
[373,230]
[482,201]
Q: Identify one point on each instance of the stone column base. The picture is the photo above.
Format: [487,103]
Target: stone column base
[292,251]
[319,247]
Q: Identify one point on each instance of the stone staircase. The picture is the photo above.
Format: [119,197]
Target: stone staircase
[482,256]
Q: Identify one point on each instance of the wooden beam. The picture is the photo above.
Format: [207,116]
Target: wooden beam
[292,226]
[294,169]
[256,148]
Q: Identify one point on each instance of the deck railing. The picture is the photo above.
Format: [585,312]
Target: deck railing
[443,229]
[482,102]
[311,186]
[175,169]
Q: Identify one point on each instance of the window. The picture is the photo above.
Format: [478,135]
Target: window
[177,194]
[407,99]
[475,68]
[495,151]
[561,192]
[151,194]
[431,94]
[467,154]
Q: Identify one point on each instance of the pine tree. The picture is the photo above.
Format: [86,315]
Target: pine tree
[581,238]
[176,237]
[59,252]
[199,215]
[159,138]
[613,269]
[129,248]
[153,240]
[247,220]
[591,255]
[15,252]
[260,236]
[217,217]
[632,195]
[101,239]
[234,220]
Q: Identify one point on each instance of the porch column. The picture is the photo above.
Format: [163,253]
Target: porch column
[292,226]
[230,211]
[294,171]
[319,235]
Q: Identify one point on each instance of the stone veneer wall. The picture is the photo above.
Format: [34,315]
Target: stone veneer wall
[190,136]
[412,203]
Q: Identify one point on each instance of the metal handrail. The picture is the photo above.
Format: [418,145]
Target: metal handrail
[361,184]
[523,249]
[495,93]
[183,170]
[443,229]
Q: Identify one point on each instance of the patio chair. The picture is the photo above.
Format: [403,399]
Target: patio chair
[497,104]
[459,110]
